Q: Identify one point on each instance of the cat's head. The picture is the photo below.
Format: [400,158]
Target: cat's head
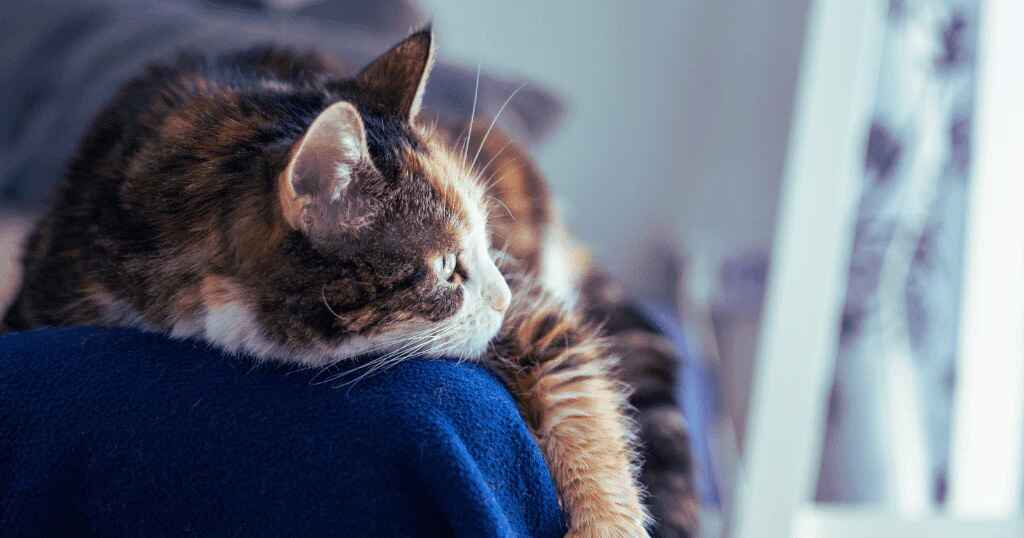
[385,246]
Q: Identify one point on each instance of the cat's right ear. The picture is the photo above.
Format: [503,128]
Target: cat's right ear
[318,189]
[397,79]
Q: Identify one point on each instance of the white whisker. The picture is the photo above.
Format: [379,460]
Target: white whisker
[472,115]
[409,347]
[494,157]
[502,204]
[492,181]
[493,122]
[323,296]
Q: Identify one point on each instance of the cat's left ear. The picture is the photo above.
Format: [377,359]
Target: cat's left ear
[397,78]
[319,189]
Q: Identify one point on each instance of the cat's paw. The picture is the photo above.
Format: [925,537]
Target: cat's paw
[610,529]
[621,518]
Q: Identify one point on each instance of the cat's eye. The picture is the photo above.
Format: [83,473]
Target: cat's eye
[446,266]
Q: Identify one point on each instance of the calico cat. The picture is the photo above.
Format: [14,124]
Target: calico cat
[270,205]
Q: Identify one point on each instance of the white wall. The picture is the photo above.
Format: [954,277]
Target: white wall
[678,113]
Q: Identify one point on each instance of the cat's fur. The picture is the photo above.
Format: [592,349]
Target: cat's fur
[528,228]
[207,201]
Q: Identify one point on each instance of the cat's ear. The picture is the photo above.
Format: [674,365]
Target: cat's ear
[397,78]
[318,187]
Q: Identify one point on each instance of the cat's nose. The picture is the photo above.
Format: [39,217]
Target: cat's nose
[498,295]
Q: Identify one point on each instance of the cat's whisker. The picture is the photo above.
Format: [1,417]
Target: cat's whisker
[304,367]
[323,296]
[373,366]
[405,342]
[369,366]
[383,364]
[401,347]
[314,381]
[472,115]
[494,158]
[503,205]
[493,122]
[494,178]
[410,346]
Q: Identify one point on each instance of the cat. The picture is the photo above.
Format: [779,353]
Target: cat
[267,205]
[270,205]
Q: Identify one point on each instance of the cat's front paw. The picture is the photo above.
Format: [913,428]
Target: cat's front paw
[614,520]
[623,529]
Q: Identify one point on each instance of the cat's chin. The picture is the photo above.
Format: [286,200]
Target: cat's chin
[474,342]
[468,352]
[472,348]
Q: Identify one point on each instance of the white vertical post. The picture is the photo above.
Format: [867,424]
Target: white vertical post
[799,334]
[988,423]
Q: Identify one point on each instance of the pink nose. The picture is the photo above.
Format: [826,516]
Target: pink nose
[499,296]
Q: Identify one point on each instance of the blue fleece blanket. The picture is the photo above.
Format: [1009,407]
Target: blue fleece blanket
[117,433]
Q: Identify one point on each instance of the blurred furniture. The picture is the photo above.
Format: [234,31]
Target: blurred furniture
[799,334]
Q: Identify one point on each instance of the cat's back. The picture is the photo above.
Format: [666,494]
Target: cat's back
[183,135]
[191,91]
[175,150]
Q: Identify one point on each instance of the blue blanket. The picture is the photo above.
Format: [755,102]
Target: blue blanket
[118,433]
